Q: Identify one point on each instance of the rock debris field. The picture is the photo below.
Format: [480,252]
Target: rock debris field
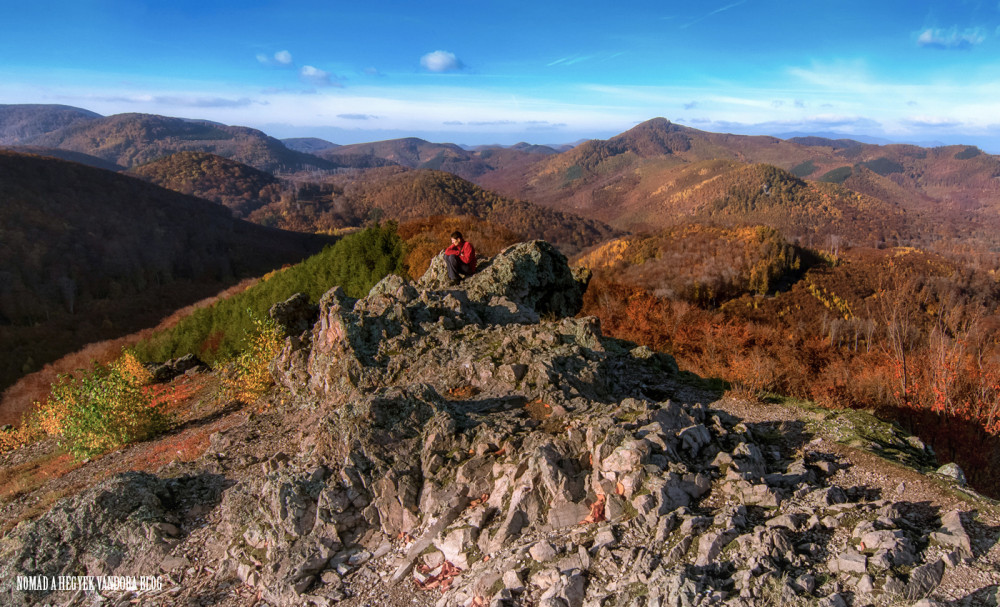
[478,445]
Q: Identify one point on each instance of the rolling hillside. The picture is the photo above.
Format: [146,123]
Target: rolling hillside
[309,145]
[400,194]
[239,187]
[87,254]
[21,122]
[87,159]
[133,139]
[659,174]
[469,164]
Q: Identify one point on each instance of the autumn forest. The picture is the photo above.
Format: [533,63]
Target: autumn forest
[845,274]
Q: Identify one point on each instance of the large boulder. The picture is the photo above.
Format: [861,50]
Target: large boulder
[534,274]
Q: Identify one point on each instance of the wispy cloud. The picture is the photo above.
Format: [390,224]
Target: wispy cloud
[842,124]
[183,101]
[529,124]
[441,61]
[935,122]
[570,60]
[317,77]
[578,58]
[721,9]
[951,39]
[357,116]
[279,59]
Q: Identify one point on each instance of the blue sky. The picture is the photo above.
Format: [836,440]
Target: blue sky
[497,71]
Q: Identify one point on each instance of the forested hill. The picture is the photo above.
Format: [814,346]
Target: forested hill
[132,139]
[420,154]
[87,254]
[400,194]
[239,187]
[19,122]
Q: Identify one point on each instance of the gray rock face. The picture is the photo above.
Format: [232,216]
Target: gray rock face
[533,274]
[294,315]
[953,535]
[923,580]
[124,526]
[484,336]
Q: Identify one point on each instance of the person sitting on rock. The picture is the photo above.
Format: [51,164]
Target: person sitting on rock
[460,258]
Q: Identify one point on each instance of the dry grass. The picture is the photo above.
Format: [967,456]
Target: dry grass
[30,475]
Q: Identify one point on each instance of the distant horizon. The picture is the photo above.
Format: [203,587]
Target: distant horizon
[356,137]
[350,137]
[505,71]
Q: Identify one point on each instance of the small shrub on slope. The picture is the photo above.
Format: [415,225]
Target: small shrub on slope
[102,409]
[249,375]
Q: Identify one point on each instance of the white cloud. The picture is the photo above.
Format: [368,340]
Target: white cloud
[947,39]
[441,61]
[316,76]
[845,97]
[279,59]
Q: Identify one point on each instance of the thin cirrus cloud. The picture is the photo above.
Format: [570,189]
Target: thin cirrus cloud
[931,122]
[357,116]
[721,9]
[950,39]
[571,60]
[441,61]
[182,101]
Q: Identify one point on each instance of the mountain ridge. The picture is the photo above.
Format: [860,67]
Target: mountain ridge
[132,139]
[20,122]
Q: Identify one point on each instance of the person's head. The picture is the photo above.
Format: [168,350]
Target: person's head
[456,237]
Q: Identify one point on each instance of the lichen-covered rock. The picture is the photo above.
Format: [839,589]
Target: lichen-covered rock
[294,315]
[954,472]
[485,336]
[534,274]
[122,527]
[164,372]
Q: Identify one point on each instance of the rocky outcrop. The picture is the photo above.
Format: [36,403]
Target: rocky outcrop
[484,335]
[534,274]
[454,441]
[125,526]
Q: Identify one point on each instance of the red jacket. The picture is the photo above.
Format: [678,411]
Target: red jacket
[465,253]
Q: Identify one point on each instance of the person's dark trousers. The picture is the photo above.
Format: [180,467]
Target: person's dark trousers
[456,267]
